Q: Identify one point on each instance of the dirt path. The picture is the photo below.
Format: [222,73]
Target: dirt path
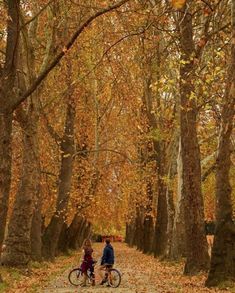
[140,274]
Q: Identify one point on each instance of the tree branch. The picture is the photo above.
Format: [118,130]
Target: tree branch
[57,59]
[104,150]
[50,129]
[37,14]
[208,172]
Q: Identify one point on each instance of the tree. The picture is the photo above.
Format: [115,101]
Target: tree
[11,96]
[222,266]
[196,245]
[7,95]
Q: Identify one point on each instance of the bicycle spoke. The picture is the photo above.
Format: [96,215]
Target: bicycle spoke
[75,277]
[114,279]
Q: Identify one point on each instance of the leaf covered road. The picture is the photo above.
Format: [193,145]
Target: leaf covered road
[140,274]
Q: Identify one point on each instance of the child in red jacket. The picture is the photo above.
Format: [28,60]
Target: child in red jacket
[87,261]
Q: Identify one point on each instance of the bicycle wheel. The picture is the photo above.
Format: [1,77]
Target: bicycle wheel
[114,279]
[75,277]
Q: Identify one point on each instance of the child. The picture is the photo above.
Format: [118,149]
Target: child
[87,261]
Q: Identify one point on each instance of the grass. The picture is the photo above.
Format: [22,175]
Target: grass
[3,287]
[227,285]
[9,276]
[36,275]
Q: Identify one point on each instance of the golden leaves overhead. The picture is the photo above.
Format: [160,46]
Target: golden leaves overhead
[178,4]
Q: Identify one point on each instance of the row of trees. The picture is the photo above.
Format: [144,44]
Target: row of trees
[30,51]
[114,109]
[162,224]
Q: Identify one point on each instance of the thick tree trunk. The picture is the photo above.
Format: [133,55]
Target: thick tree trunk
[223,252]
[36,230]
[18,241]
[148,234]
[196,244]
[130,233]
[161,220]
[5,168]
[148,225]
[63,240]
[153,74]
[178,237]
[36,225]
[84,233]
[74,231]
[172,153]
[7,80]
[81,233]
[138,238]
[52,233]
[70,238]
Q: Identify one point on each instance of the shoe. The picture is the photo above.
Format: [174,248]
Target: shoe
[83,285]
[93,281]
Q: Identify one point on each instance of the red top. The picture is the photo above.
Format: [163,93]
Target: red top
[88,253]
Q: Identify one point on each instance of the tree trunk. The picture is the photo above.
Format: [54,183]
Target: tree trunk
[153,74]
[178,237]
[223,252]
[160,241]
[83,234]
[18,241]
[74,231]
[138,238]
[172,153]
[36,225]
[148,225]
[161,222]
[63,240]
[196,244]
[52,233]
[7,80]
[148,234]
[130,233]
[36,230]
[5,168]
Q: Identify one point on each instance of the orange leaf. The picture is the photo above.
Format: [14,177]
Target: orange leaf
[178,4]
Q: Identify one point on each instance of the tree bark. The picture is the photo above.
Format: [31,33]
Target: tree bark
[7,94]
[5,168]
[196,244]
[130,233]
[153,74]
[52,233]
[63,240]
[161,221]
[74,232]
[36,230]
[222,267]
[138,238]
[148,225]
[172,153]
[178,237]
[18,241]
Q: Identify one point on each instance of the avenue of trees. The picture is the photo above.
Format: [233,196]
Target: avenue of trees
[118,117]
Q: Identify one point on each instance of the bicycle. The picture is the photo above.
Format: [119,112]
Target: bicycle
[112,277]
[76,277]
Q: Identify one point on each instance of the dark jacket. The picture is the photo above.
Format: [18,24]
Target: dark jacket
[108,255]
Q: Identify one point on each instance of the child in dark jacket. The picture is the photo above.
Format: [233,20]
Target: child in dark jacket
[87,261]
[107,260]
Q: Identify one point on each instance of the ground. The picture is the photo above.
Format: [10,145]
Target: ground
[140,274]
